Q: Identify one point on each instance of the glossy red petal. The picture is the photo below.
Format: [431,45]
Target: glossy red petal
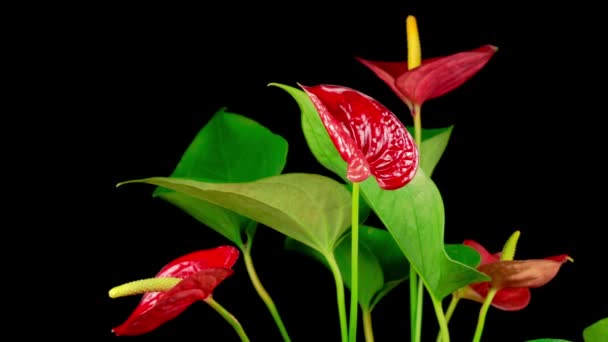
[186,265]
[156,308]
[442,75]
[486,257]
[368,136]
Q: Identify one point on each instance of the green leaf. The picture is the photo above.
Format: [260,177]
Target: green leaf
[226,222]
[382,265]
[314,132]
[394,265]
[229,148]
[371,278]
[413,214]
[292,244]
[312,209]
[463,254]
[434,143]
[232,148]
[596,332]
[385,249]
[548,340]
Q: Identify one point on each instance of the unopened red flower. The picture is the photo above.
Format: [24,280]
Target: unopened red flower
[513,278]
[368,136]
[200,272]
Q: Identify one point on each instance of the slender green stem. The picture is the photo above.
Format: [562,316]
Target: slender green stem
[415,285]
[335,270]
[450,312]
[354,287]
[417,126]
[443,323]
[228,317]
[413,303]
[367,325]
[481,320]
[418,319]
[263,293]
[451,307]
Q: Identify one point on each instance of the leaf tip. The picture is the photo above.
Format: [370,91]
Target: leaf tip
[119,184]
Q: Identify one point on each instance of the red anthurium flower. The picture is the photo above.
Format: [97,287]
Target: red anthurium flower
[200,272]
[513,278]
[434,77]
[368,136]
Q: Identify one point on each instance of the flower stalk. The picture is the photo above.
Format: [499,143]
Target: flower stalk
[335,270]
[257,284]
[354,293]
[367,325]
[228,317]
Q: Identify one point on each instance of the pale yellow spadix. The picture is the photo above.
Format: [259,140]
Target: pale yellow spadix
[143,286]
[414,54]
[508,251]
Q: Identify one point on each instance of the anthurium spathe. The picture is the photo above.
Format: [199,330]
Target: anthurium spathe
[368,136]
[513,278]
[180,283]
[418,80]
[434,77]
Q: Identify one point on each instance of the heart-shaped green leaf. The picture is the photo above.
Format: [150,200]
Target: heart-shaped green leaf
[226,222]
[596,332]
[382,265]
[413,214]
[292,244]
[310,208]
[229,148]
[434,143]
[232,148]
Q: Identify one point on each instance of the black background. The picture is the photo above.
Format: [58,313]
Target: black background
[525,153]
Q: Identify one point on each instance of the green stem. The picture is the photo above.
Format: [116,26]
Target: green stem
[451,308]
[418,320]
[354,287]
[443,323]
[413,303]
[450,312]
[415,285]
[367,325]
[263,293]
[417,127]
[228,317]
[335,270]
[481,320]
